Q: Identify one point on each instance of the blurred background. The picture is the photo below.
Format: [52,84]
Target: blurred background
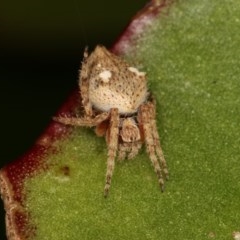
[41,47]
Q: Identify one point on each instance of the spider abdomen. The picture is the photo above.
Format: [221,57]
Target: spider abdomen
[126,100]
[107,81]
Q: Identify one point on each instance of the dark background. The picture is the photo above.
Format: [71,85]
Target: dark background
[41,47]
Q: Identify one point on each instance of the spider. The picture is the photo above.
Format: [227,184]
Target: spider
[117,103]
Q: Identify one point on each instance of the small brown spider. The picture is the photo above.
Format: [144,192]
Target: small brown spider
[116,101]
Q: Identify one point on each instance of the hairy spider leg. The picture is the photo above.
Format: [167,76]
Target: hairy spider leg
[129,150]
[135,147]
[84,83]
[84,121]
[112,142]
[124,148]
[159,151]
[146,121]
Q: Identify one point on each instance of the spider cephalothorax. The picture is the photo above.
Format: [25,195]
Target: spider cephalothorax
[117,103]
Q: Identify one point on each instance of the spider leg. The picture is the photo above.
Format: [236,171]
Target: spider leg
[123,150]
[112,141]
[156,138]
[148,124]
[84,84]
[135,147]
[128,150]
[159,150]
[84,121]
